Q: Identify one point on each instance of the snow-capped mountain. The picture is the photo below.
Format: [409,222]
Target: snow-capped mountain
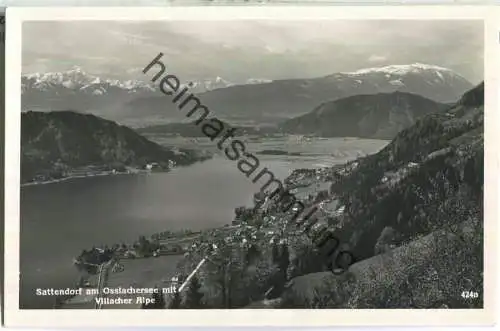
[253,99]
[402,69]
[218,82]
[77,80]
[398,75]
[79,90]
[258,81]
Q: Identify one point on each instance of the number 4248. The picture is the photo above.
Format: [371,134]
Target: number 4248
[469,295]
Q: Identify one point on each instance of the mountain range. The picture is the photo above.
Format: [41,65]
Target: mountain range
[77,79]
[257,100]
[84,92]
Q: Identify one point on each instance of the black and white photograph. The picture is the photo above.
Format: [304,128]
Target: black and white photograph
[251,164]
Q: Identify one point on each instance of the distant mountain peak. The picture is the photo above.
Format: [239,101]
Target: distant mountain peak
[77,79]
[400,69]
[77,70]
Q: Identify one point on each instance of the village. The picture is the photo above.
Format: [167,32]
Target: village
[62,172]
[251,230]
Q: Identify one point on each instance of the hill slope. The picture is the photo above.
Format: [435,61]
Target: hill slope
[367,116]
[418,203]
[55,143]
[411,214]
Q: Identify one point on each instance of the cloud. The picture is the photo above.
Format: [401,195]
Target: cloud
[377,58]
[239,50]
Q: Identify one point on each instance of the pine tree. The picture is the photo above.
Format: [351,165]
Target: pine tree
[275,254]
[159,300]
[225,270]
[283,263]
[176,301]
[194,295]
[284,259]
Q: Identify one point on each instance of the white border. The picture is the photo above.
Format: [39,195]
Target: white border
[241,317]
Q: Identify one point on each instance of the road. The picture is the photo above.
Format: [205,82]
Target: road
[104,270]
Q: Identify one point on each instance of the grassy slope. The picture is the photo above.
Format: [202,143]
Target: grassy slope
[436,209]
[431,202]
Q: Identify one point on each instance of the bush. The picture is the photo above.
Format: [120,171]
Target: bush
[194,295]
[176,301]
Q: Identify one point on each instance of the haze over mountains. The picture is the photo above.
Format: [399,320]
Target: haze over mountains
[256,100]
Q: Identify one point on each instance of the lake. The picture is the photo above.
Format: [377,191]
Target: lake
[58,220]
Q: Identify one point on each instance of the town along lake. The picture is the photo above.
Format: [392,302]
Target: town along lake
[59,220]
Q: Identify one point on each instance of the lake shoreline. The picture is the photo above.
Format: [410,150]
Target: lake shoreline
[101,173]
[182,198]
[97,174]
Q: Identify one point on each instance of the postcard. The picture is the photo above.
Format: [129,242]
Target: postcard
[250,166]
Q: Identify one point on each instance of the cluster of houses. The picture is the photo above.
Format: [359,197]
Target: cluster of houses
[392,178]
[94,257]
[156,165]
[132,253]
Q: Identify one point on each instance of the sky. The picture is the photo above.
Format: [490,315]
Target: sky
[240,50]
